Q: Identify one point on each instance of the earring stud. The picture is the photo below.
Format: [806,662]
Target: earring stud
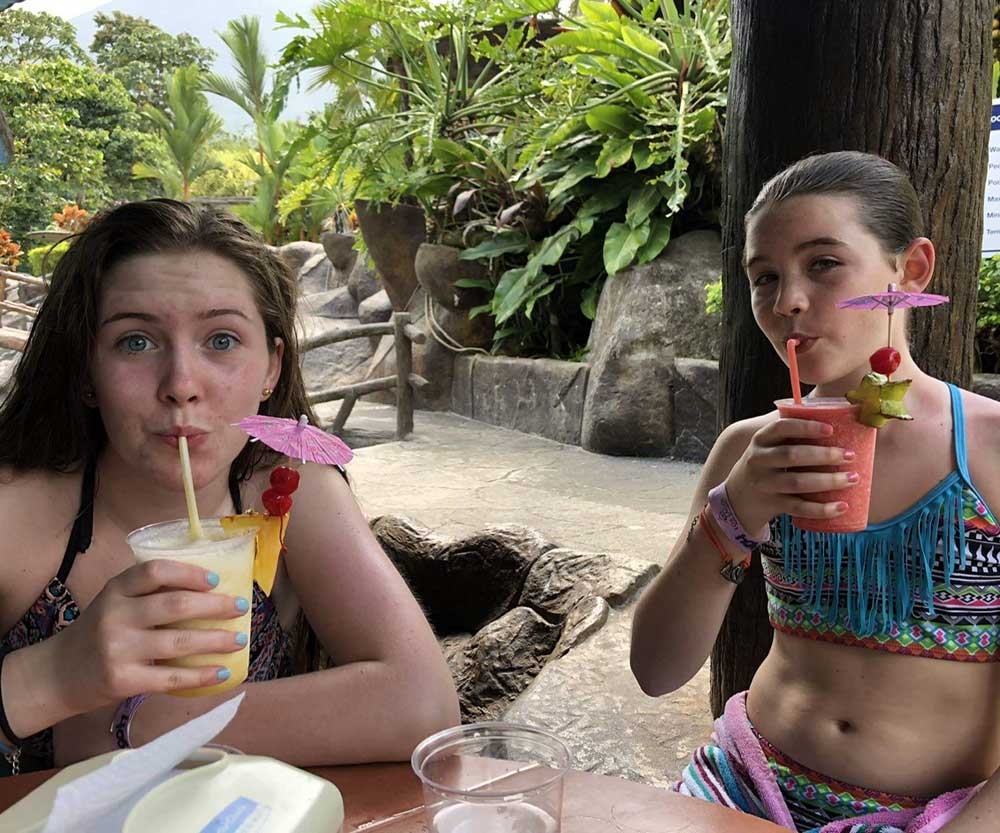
[266,392]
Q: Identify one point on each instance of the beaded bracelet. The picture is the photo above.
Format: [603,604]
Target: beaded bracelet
[10,743]
[732,571]
[121,724]
[729,523]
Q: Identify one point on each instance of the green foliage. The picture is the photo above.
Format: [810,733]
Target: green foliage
[186,128]
[713,297]
[33,37]
[144,57]
[76,138]
[43,259]
[232,178]
[988,315]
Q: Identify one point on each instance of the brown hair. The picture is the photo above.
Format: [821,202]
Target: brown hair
[44,423]
[887,204]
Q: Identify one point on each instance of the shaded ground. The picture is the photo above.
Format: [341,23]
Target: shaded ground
[456,476]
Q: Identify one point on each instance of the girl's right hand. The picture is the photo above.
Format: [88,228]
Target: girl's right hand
[109,653]
[773,478]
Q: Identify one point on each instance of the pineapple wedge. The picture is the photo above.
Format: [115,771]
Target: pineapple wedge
[270,542]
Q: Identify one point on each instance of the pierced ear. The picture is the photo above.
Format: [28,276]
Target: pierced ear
[917,265]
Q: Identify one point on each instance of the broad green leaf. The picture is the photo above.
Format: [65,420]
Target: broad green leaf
[483,309]
[641,203]
[552,247]
[611,195]
[513,290]
[621,244]
[645,44]
[642,156]
[611,119]
[598,11]
[659,236]
[579,172]
[474,283]
[450,151]
[588,303]
[500,245]
[590,40]
[615,153]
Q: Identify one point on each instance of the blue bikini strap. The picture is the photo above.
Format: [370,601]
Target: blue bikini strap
[958,426]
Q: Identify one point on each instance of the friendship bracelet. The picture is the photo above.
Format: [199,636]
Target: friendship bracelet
[9,736]
[729,523]
[121,724]
[732,571]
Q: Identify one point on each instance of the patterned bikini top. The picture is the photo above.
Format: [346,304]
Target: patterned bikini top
[271,652]
[924,583]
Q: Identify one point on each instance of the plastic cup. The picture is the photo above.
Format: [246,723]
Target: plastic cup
[231,559]
[851,435]
[492,778]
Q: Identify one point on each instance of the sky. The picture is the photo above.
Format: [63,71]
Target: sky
[63,8]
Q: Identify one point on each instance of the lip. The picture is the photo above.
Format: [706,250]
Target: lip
[804,342]
[195,436]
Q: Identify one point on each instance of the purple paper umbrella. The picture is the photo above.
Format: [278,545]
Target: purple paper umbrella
[893,299]
[297,439]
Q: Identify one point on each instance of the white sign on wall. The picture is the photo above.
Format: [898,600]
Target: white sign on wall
[991,203]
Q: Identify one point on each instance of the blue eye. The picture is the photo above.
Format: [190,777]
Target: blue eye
[224,342]
[765,278]
[135,343]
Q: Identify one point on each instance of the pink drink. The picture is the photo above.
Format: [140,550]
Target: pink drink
[851,435]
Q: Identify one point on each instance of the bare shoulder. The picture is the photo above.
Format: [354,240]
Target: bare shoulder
[982,440]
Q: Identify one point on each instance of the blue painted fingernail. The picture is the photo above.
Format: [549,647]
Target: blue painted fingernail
[222,674]
[212,579]
[242,639]
[242,605]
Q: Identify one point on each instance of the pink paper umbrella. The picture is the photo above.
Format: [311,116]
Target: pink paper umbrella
[893,299]
[297,439]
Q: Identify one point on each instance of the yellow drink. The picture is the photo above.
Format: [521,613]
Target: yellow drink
[231,559]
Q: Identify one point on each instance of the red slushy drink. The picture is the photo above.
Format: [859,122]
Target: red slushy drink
[851,435]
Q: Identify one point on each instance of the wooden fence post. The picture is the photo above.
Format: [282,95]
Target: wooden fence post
[404,369]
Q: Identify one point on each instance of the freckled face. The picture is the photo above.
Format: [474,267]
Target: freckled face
[181,349]
[804,255]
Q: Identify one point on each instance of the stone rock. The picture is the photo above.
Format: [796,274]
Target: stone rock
[8,361]
[333,303]
[363,281]
[536,396]
[340,250]
[466,583]
[393,234]
[644,318]
[585,618]
[561,578]
[695,389]
[987,384]
[438,268]
[30,295]
[314,276]
[296,254]
[337,364]
[375,309]
[500,661]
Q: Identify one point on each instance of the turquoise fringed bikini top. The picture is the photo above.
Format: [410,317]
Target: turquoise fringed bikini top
[924,583]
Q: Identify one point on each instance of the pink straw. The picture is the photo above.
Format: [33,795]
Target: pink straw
[793,367]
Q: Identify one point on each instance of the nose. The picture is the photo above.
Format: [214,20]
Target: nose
[792,297]
[180,384]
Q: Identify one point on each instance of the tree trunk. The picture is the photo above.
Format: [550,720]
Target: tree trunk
[907,79]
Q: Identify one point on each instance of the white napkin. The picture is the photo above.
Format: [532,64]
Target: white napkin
[91,804]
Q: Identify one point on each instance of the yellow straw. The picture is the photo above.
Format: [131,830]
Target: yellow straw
[182,446]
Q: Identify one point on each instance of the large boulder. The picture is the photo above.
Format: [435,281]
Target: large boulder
[314,276]
[336,364]
[342,255]
[647,315]
[333,303]
[8,361]
[987,384]
[296,254]
[439,269]
[363,281]
[393,233]
[695,389]
[375,310]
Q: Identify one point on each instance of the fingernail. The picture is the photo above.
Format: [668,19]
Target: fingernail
[853,477]
[242,639]
[849,455]
[222,674]
[827,429]
[841,507]
[242,605]
[212,579]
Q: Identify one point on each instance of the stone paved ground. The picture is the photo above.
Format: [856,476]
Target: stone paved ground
[455,476]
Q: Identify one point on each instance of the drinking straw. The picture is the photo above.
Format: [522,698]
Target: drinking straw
[793,367]
[196,531]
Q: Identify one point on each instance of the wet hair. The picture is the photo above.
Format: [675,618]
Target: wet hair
[44,421]
[887,203]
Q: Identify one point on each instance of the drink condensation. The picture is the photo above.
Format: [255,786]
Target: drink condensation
[493,818]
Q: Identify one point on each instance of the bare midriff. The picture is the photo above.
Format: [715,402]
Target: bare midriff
[899,724]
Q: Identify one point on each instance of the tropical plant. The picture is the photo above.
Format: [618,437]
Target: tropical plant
[10,252]
[37,36]
[988,316]
[72,218]
[43,259]
[186,128]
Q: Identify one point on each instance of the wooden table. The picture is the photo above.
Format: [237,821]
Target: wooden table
[387,798]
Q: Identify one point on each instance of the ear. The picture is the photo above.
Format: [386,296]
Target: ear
[916,265]
[274,364]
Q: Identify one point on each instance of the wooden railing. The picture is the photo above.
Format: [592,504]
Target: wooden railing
[10,337]
[405,381]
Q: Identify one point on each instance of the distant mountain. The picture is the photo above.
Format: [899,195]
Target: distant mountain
[203,18]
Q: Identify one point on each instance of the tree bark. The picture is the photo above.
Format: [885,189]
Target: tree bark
[907,79]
